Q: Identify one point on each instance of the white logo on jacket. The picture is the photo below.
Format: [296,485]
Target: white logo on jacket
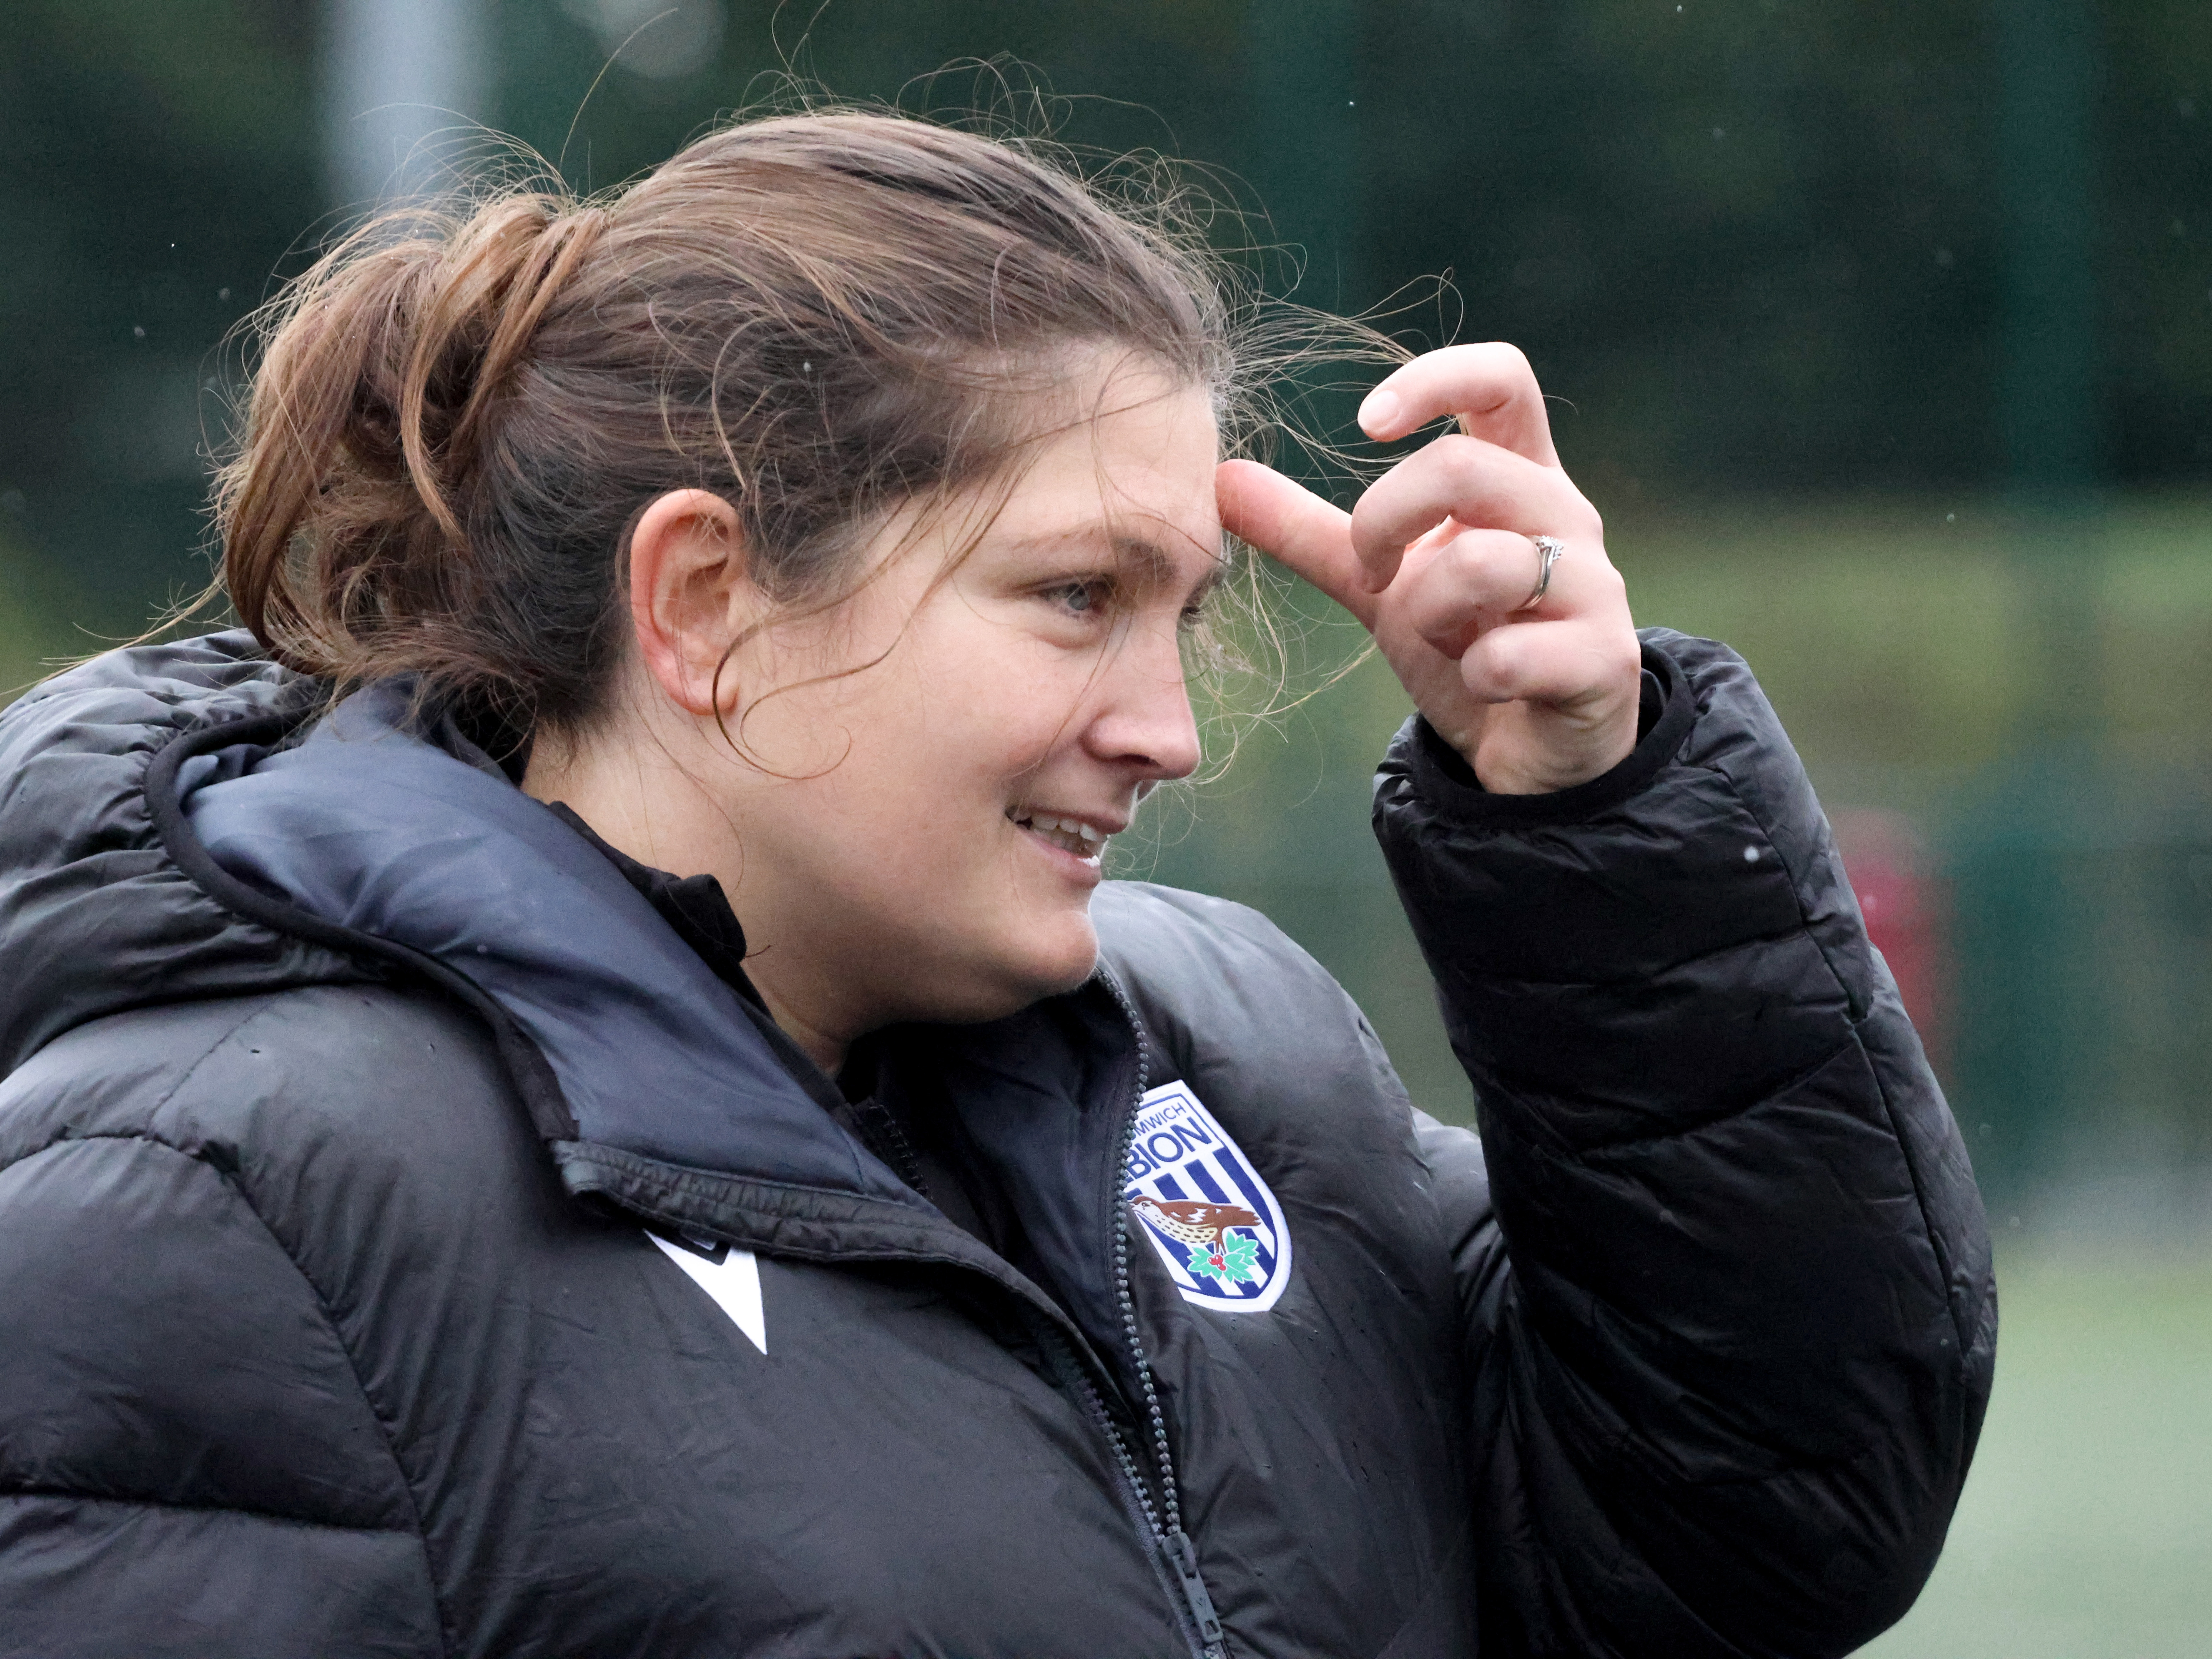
[731,1276]
[1216,1225]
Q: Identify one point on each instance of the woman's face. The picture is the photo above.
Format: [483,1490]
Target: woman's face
[926,845]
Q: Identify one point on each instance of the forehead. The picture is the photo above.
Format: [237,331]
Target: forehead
[1133,463]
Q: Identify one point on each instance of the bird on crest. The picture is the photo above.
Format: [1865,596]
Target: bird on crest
[1193,1220]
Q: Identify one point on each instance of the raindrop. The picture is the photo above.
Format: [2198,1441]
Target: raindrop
[2185,107]
[1950,518]
[1719,132]
[806,368]
[2015,1221]
[1944,258]
[137,333]
[1751,855]
[223,294]
[2180,229]
[1985,1128]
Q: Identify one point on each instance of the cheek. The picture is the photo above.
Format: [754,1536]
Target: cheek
[999,723]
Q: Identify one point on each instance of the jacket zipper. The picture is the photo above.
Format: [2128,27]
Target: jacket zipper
[1204,1625]
[1166,1522]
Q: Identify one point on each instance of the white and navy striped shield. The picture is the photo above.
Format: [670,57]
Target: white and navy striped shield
[1197,1197]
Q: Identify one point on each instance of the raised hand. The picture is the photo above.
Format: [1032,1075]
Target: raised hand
[1437,562]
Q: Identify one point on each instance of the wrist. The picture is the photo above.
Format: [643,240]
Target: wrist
[1559,766]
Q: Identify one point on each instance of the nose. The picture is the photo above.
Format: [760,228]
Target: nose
[1144,722]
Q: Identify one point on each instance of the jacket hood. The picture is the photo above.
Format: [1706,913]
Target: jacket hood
[168,833]
[95,916]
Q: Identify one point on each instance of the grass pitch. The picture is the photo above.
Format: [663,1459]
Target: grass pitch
[2085,1530]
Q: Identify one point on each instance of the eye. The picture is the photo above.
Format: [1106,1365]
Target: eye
[1087,597]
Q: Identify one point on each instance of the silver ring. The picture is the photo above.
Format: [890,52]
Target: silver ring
[1548,548]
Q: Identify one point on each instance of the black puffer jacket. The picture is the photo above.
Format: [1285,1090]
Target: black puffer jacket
[344,1082]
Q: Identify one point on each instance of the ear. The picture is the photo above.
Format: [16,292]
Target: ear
[689,597]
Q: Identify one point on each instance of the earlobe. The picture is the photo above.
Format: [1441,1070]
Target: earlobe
[689,597]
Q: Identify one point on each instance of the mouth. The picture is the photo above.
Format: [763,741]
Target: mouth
[1081,838]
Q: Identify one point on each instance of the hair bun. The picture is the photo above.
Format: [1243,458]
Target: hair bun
[495,280]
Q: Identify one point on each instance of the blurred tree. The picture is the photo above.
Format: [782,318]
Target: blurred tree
[1750,240]
[1754,244]
[158,168]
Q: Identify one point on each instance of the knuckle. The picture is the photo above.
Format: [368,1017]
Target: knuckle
[1512,364]
[1625,655]
[1486,678]
[1480,569]
[1464,460]
[1466,559]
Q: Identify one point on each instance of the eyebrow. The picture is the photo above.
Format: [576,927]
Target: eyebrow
[1150,560]
[1159,567]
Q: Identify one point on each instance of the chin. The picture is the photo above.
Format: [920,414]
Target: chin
[1041,966]
[1069,956]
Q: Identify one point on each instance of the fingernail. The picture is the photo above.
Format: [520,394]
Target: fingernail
[1380,410]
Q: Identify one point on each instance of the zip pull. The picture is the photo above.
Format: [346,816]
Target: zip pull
[1183,1557]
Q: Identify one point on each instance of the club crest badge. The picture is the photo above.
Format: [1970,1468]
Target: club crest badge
[1193,1191]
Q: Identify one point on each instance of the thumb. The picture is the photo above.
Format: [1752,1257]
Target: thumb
[1295,528]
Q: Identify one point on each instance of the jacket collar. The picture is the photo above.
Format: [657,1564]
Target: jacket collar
[375,824]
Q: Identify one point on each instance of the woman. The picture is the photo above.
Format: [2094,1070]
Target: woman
[577,1090]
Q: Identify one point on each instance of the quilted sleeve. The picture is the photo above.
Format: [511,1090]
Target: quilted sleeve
[1726,1277]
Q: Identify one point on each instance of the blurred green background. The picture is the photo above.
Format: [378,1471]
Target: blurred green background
[1881,332]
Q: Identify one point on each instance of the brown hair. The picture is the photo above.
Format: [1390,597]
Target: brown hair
[820,316]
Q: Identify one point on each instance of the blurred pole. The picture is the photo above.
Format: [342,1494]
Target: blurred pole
[2050,402]
[2050,409]
[2027,910]
[1302,58]
[403,79]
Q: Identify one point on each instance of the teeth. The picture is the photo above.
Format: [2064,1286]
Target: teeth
[1084,840]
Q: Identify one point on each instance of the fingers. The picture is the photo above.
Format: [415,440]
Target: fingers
[1478,483]
[1294,527]
[1560,665]
[1489,388]
[1474,580]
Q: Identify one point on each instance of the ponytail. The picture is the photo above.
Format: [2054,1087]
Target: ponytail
[375,397]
